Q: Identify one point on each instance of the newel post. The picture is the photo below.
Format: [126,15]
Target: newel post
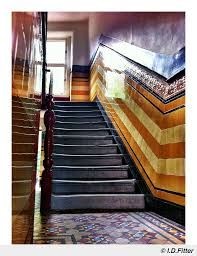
[49,121]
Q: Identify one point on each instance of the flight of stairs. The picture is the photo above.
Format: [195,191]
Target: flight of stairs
[89,172]
[24,152]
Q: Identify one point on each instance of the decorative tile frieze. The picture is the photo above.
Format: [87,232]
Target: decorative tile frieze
[150,80]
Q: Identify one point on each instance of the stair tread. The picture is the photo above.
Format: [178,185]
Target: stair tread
[77,111]
[75,145]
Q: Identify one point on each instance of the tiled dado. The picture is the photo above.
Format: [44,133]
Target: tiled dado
[26,52]
[80,90]
[153,131]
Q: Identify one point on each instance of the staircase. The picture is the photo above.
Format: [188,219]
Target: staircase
[24,152]
[89,172]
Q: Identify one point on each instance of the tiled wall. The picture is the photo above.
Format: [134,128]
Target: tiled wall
[26,55]
[152,129]
[80,89]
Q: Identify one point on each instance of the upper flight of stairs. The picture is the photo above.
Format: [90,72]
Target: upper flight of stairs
[24,151]
[89,172]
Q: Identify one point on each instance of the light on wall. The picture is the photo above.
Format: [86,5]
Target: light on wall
[115,85]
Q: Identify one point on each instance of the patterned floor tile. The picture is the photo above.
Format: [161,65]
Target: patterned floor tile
[106,228]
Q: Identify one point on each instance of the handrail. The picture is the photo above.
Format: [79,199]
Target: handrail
[49,121]
[44,63]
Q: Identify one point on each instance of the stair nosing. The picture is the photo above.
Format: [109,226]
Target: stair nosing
[21,181]
[29,134]
[75,145]
[95,122]
[23,108]
[74,116]
[98,129]
[96,155]
[84,136]
[93,181]
[92,167]
[15,112]
[73,111]
[95,194]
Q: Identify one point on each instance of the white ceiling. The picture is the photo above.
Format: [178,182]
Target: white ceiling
[67,16]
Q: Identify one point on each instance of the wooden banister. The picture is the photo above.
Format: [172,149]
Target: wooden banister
[49,121]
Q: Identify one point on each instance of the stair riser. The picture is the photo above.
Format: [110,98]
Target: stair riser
[76,108]
[80,126]
[81,132]
[68,103]
[97,202]
[82,113]
[84,161]
[82,150]
[22,188]
[72,188]
[23,138]
[93,175]
[21,157]
[79,119]
[30,130]
[66,141]
[23,173]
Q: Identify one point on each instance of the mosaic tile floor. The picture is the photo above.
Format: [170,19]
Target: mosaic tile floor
[106,228]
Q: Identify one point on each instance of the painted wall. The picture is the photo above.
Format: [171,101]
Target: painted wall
[158,32]
[152,131]
[80,41]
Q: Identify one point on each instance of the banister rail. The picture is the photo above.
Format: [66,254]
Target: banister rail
[49,121]
[44,63]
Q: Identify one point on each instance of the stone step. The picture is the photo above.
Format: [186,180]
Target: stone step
[90,172]
[23,129]
[23,147]
[93,132]
[97,201]
[25,172]
[81,125]
[95,118]
[25,104]
[25,116]
[75,108]
[24,110]
[21,187]
[76,113]
[21,156]
[82,140]
[23,138]
[85,149]
[24,99]
[24,122]
[92,186]
[85,160]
